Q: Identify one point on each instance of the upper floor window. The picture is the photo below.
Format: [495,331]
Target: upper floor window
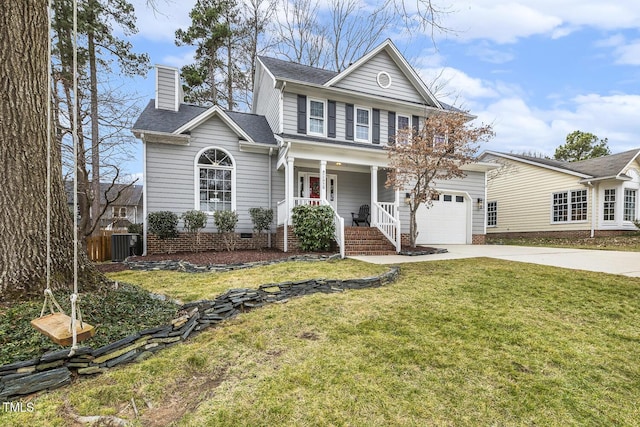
[119,212]
[317,117]
[363,124]
[216,178]
[609,205]
[403,128]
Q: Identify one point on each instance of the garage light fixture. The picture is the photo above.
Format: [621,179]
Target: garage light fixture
[480,205]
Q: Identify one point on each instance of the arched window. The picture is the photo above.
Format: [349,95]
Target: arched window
[215,171]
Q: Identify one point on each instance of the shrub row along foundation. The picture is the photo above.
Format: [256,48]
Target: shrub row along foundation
[55,369]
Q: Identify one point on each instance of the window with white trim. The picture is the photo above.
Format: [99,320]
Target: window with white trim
[403,128]
[216,170]
[609,205]
[630,197]
[317,120]
[569,206]
[492,214]
[363,124]
[119,212]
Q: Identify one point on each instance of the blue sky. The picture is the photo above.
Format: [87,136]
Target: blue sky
[536,69]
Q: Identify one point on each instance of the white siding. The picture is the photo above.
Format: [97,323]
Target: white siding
[524,194]
[267,99]
[170,181]
[363,80]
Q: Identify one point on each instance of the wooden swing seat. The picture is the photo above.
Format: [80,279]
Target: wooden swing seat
[57,327]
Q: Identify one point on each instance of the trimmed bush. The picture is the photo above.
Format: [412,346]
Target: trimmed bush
[225,222]
[261,219]
[163,224]
[194,221]
[314,227]
[135,229]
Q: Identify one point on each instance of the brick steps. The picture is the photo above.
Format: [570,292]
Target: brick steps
[366,241]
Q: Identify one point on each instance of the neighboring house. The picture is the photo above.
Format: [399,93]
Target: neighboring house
[122,211]
[314,136]
[530,195]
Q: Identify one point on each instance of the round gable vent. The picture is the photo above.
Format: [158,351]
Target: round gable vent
[383,79]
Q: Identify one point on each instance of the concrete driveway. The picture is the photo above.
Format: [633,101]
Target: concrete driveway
[613,262]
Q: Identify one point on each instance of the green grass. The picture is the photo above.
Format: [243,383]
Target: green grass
[460,342]
[629,242]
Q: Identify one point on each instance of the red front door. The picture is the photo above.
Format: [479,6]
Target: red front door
[314,187]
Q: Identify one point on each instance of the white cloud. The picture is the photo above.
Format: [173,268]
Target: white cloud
[508,21]
[628,54]
[179,60]
[161,25]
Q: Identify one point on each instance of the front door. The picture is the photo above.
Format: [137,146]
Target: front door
[309,186]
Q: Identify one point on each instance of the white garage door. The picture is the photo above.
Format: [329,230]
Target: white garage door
[445,222]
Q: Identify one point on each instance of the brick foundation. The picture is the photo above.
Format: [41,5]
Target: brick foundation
[577,234]
[479,239]
[208,242]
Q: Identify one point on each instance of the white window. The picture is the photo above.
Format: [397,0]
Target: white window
[492,214]
[119,212]
[403,128]
[363,124]
[317,119]
[215,181]
[569,206]
[609,206]
[630,197]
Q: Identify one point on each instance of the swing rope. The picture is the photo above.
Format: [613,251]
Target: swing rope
[49,298]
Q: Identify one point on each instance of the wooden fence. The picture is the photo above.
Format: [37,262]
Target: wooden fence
[99,247]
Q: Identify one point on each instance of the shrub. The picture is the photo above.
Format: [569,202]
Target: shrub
[225,222]
[163,224]
[314,227]
[261,219]
[194,221]
[135,228]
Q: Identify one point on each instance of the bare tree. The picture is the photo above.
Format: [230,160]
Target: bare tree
[420,159]
[301,38]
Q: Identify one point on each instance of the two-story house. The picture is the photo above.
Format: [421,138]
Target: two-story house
[314,137]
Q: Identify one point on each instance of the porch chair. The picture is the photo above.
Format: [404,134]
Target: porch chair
[363,216]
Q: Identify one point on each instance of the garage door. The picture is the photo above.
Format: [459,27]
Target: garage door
[445,222]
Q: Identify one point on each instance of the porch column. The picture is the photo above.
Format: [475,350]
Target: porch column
[323,180]
[290,186]
[374,195]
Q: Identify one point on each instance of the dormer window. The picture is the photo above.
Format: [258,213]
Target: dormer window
[317,117]
[363,124]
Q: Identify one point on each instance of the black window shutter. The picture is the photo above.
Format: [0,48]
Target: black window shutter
[331,131]
[376,126]
[392,127]
[349,125]
[302,114]
[415,123]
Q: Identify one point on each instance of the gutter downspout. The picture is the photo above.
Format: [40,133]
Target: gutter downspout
[270,191]
[144,195]
[593,209]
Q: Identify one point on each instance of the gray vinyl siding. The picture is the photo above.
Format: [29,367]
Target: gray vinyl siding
[363,80]
[166,88]
[170,181]
[290,119]
[267,99]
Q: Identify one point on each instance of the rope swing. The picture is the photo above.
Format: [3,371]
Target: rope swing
[60,328]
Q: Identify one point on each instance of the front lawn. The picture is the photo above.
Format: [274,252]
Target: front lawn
[460,342]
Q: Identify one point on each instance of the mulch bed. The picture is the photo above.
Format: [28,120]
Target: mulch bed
[208,258]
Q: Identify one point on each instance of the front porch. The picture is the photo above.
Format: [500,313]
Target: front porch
[345,188]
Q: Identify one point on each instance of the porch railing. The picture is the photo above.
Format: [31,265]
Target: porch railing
[338,221]
[388,223]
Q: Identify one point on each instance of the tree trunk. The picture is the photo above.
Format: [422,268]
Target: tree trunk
[23,156]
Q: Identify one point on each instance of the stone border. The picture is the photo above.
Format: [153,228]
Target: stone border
[187,267]
[433,251]
[55,369]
